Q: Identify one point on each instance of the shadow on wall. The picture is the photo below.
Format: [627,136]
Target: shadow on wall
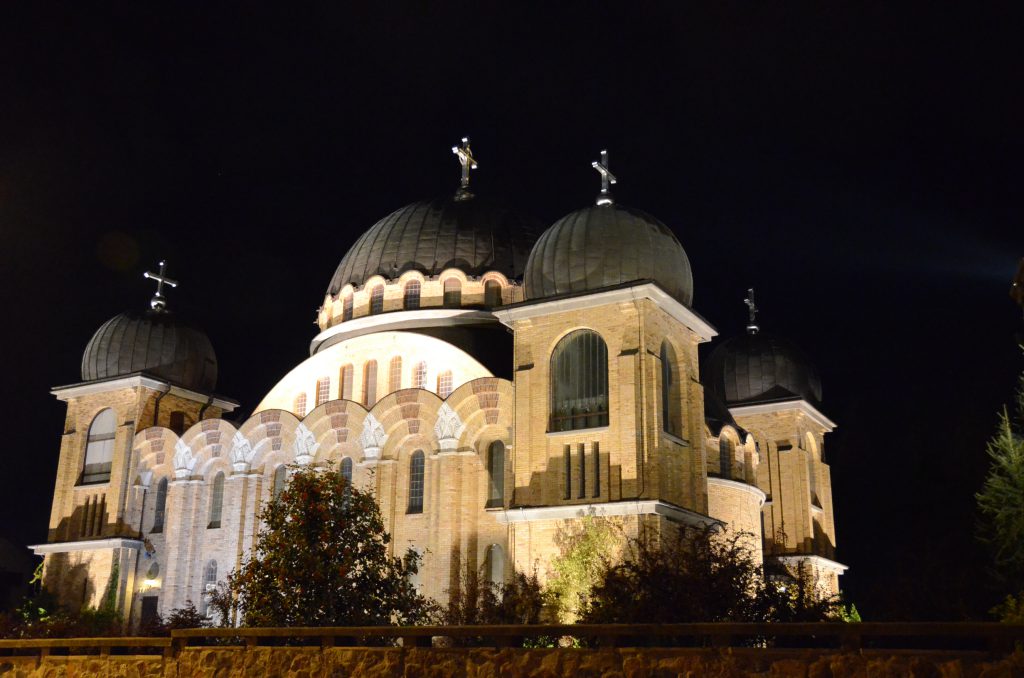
[89,521]
[72,587]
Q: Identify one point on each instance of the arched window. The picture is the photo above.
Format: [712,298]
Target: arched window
[346,308]
[452,293]
[377,300]
[492,293]
[370,383]
[419,375]
[496,474]
[346,469]
[216,501]
[724,457]
[416,482]
[671,407]
[579,382]
[345,377]
[494,565]
[177,422]
[160,507]
[99,448]
[412,295]
[209,585]
[395,374]
[444,383]
[280,478]
[323,390]
[300,405]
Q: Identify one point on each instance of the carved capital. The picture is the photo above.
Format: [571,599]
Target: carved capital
[373,438]
[241,453]
[305,445]
[448,427]
[184,461]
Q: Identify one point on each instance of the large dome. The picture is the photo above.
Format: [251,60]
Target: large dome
[472,235]
[603,246]
[156,342]
[758,368]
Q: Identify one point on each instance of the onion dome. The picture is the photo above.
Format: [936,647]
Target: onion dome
[156,342]
[461,231]
[603,246]
[760,368]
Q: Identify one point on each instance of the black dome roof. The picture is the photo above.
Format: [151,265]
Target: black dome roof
[473,235]
[758,368]
[156,342]
[607,245]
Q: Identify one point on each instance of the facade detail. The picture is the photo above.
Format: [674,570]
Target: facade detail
[489,381]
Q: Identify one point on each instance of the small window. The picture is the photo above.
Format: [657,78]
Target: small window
[345,377]
[494,565]
[419,375]
[411,301]
[209,586]
[724,457]
[216,501]
[300,405]
[395,374]
[671,405]
[160,506]
[323,390]
[346,469]
[377,300]
[579,382]
[496,474]
[370,383]
[346,308]
[416,482]
[280,478]
[177,423]
[492,293]
[444,384]
[99,448]
[452,293]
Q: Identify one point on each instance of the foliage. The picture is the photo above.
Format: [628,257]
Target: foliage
[1011,610]
[849,613]
[186,617]
[109,601]
[1001,500]
[39,616]
[476,601]
[321,559]
[586,548]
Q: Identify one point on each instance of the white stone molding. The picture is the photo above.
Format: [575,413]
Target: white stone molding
[398,320]
[134,381]
[305,445]
[448,428]
[90,545]
[184,461]
[241,453]
[820,562]
[799,405]
[755,492]
[615,508]
[372,438]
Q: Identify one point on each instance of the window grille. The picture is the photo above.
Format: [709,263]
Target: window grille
[671,408]
[492,293]
[395,374]
[216,501]
[419,375]
[280,478]
[579,382]
[300,405]
[160,508]
[345,377]
[323,391]
[377,300]
[496,474]
[416,482]
[370,383]
[99,448]
[444,384]
[452,293]
[412,295]
[346,308]
[724,457]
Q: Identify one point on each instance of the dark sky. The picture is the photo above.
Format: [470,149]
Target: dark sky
[859,164]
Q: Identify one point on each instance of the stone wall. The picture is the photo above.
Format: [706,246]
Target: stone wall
[306,662]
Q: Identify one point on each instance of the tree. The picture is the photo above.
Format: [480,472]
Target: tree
[321,559]
[521,600]
[1001,500]
[586,548]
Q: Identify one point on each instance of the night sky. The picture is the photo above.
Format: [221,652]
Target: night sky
[858,164]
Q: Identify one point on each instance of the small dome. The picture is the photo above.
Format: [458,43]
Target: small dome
[603,246]
[156,342]
[472,235]
[758,368]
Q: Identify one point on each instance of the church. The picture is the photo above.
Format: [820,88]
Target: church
[489,381]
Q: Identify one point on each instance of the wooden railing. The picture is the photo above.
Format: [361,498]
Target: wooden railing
[987,637]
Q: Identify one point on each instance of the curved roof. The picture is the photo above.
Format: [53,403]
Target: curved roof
[603,246]
[156,342]
[472,235]
[758,368]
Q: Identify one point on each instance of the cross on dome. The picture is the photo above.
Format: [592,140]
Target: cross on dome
[607,178]
[158,302]
[468,162]
[752,327]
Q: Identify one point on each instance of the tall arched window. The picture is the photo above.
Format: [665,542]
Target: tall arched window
[346,308]
[280,478]
[216,501]
[323,390]
[496,474]
[452,293]
[160,506]
[345,377]
[492,293]
[412,295]
[724,457]
[444,383]
[300,405]
[416,482]
[419,375]
[671,407]
[494,565]
[370,383]
[395,374]
[579,382]
[346,469]
[99,448]
[377,300]
[209,585]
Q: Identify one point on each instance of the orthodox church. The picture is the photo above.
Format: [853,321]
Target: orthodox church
[490,382]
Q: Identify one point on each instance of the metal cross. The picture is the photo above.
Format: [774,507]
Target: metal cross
[752,327]
[468,162]
[607,178]
[158,302]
